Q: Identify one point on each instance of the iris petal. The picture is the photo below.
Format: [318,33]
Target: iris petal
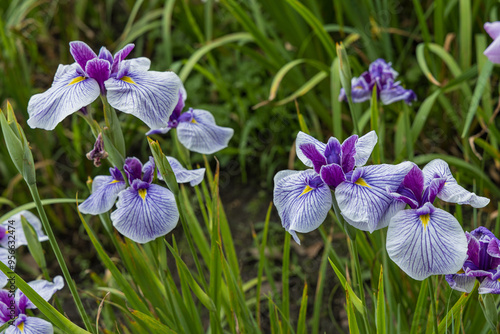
[81,52]
[147,215]
[451,191]
[489,286]
[304,138]
[202,135]
[4,257]
[69,93]
[148,95]
[364,147]
[364,201]
[18,228]
[426,241]
[493,51]
[30,325]
[461,282]
[300,207]
[183,175]
[44,288]
[493,29]
[105,190]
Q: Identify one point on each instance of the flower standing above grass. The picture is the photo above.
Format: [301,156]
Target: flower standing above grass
[383,75]
[304,198]
[196,128]
[483,264]
[425,240]
[128,85]
[493,50]
[145,211]
[24,323]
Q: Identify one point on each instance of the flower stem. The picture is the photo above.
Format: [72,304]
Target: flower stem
[59,257]
[433,305]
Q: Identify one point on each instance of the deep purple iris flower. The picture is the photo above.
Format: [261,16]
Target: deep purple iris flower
[145,211]
[425,240]
[493,50]
[483,263]
[196,128]
[24,323]
[382,74]
[303,198]
[128,85]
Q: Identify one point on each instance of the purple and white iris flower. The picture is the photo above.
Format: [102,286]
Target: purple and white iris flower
[196,128]
[383,75]
[128,85]
[145,211]
[303,198]
[24,323]
[18,228]
[425,240]
[493,50]
[483,264]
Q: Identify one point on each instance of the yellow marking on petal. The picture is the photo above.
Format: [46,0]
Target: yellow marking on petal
[21,327]
[306,190]
[193,121]
[425,220]
[142,193]
[361,182]
[358,87]
[114,181]
[128,79]
[76,80]
[461,271]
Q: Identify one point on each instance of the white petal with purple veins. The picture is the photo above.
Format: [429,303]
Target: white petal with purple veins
[18,228]
[451,191]
[304,138]
[44,288]
[69,93]
[202,135]
[148,95]
[145,216]
[364,147]
[302,208]
[489,286]
[105,190]
[426,241]
[461,282]
[183,175]
[4,257]
[30,325]
[364,203]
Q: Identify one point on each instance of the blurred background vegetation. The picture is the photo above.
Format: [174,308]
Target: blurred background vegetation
[248,62]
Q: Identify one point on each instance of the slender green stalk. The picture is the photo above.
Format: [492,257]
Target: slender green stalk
[433,305]
[285,282]
[60,258]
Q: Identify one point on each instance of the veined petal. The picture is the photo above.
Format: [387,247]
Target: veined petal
[332,175]
[364,201]
[148,95]
[304,138]
[30,325]
[461,282]
[18,228]
[105,190]
[105,54]
[493,51]
[44,288]
[489,285]
[69,93]
[451,191]
[311,152]
[201,134]
[99,70]
[81,52]
[4,257]
[140,64]
[160,131]
[426,241]
[146,214]
[364,147]
[348,153]
[493,29]
[183,175]
[301,207]
[121,55]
